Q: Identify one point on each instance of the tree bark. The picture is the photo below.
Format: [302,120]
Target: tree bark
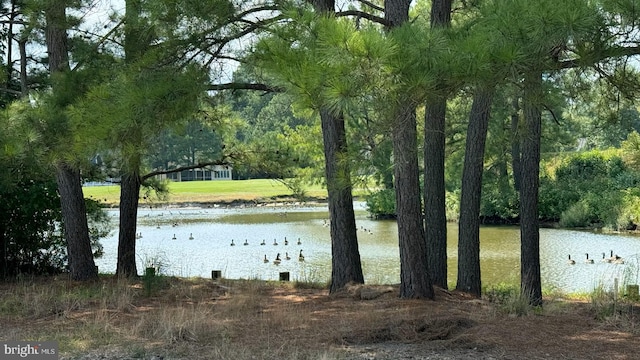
[434,190]
[415,281]
[530,171]
[434,147]
[129,198]
[515,142]
[346,265]
[74,213]
[469,279]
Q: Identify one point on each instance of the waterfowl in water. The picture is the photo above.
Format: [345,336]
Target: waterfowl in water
[571,261]
[275,242]
[191,236]
[286,256]
[246,242]
[263,242]
[265,259]
[286,242]
[587,260]
[618,259]
[605,259]
[174,237]
[300,256]
[299,242]
[232,243]
[277,260]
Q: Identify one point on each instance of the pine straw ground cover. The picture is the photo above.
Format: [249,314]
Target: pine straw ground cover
[174,318]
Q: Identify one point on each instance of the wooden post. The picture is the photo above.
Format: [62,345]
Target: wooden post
[150,271]
[216,274]
[284,276]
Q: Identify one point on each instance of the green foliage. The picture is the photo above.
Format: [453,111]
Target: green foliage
[382,204]
[593,188]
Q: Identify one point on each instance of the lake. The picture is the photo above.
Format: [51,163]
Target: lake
[189,242]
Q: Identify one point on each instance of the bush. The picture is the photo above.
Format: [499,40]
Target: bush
[382,204]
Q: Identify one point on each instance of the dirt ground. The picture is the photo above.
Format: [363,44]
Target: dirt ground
[228,320]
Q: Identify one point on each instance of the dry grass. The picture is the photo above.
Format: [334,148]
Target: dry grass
[202,319]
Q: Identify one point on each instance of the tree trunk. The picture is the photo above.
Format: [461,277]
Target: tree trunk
[434,146]
[434,190]
[530,171]
[415,281]
[74,213]
[515,143]
[129,196]
[346,266]
[469,279]
[345,256]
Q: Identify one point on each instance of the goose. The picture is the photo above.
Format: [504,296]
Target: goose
[618,260]
[605,259]
[299,242]
[246,242]
[286,256]
[275,242]
[265,259]
[286,242]
[587,260]
[232,243]
[300,257]
[611,258]
[571,261]
[174,237]
[191,236]
[263,243]
[277,260]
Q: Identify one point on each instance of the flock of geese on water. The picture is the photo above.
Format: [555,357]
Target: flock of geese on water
[277,260]
[613,259]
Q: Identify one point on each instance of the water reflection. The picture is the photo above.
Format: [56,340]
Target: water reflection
[203,243]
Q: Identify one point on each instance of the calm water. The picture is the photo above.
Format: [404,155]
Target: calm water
[203,238]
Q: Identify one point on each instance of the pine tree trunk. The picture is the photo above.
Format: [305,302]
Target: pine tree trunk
[530,170]
[129,197]
[81,264]
[346,265]
[74,213]
[469,279]
[415,281]
[434,190]
[434,147]
[345,257]
[515,143]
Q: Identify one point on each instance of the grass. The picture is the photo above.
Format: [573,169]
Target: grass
[211,191]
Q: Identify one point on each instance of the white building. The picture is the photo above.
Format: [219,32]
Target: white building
[217,172]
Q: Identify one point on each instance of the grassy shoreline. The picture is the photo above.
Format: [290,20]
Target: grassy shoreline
[213,192]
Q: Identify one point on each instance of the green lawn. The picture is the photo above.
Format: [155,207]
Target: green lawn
[210,191]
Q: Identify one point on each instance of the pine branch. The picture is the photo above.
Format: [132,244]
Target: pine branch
[371,5]
[245,86]
[613,52]
[365,15]
[183,168]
